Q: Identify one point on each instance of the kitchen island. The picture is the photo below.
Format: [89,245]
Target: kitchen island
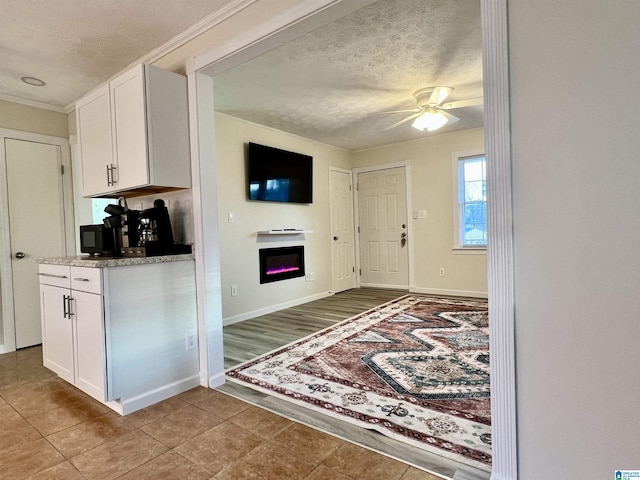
[123,330]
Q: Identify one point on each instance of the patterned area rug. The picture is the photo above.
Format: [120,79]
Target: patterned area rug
[416,369]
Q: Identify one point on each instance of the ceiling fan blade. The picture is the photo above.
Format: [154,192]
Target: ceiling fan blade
[471,102]
[413,110]
[451,119]
[439,95]
[410,117]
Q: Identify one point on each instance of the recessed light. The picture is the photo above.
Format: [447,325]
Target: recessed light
[36,82]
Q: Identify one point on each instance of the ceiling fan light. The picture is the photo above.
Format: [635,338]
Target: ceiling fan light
[430,121]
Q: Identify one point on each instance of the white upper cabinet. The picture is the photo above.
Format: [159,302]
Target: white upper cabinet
[134,133]
[94,134]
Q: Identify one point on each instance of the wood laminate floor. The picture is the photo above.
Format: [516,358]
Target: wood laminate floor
[252,338]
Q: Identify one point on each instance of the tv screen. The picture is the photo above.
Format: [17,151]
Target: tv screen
[276,175]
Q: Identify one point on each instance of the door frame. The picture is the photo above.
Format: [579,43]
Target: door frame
[356,278]
[356,214]
[8,343]
[274,32]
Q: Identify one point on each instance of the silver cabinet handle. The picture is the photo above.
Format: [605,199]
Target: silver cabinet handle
[69,300]
[80,279]
[65,306]
[51,275]
[114,180]
[109,183]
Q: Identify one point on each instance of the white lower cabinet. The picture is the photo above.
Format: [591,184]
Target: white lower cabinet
[119,333]
[73,329]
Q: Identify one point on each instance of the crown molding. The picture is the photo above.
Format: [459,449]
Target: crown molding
[177,41]
[32,103]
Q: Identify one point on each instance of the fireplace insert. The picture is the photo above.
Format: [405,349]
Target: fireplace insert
[281,263]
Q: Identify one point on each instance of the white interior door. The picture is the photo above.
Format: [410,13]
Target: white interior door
[342,231]
[382,215]
[36,224]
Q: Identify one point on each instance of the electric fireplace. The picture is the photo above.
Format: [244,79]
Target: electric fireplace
[281,263]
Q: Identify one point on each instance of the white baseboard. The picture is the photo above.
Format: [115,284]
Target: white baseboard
[375,285]
[154,396]
[216,380]
[273,308]
[2,350]
[450,293]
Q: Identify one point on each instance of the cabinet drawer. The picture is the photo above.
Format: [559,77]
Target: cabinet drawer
[56,275]
[86,279]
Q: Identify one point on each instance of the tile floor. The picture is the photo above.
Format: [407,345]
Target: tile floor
[50,430]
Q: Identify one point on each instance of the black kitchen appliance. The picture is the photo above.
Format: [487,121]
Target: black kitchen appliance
[154,234]
[143,233]
[97,240]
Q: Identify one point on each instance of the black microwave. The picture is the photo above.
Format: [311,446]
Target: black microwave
[96,240]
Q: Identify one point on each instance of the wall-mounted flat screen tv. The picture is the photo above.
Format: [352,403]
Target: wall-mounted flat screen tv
[275,175]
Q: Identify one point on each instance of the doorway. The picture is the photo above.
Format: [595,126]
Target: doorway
[342,231]
[382,228]
[494,34]
[36,221]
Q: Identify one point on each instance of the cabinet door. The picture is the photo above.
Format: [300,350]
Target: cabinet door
[57,332]
[90,371]
[94,135]
[129,128]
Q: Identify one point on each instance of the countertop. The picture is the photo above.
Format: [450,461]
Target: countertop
[102,262]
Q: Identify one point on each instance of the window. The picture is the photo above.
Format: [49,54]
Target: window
[97,208]
[471,223]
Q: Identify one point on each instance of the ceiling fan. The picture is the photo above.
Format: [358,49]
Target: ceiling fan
[430,114]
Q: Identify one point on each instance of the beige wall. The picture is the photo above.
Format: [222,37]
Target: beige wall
[35,120]
[71,123]
[576,184]
[239,242]
[431,187]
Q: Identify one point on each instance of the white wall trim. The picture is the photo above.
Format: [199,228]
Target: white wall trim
[6,271]
[382,166]
[500,260]
[154,396]
[449,293]
[205,222]
[273,308]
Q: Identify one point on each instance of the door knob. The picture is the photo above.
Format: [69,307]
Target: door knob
[20,255]
[335,238]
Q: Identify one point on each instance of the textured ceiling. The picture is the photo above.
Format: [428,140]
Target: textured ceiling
[324,85]
[327,84]
[76,45]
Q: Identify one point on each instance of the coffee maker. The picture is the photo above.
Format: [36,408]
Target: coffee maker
[143,233]
[154,230]
[123,224]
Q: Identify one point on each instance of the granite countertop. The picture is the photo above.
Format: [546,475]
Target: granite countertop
[102,262]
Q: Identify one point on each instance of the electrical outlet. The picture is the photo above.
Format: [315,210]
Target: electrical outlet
[234,290]
[441,272]
[191,339]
